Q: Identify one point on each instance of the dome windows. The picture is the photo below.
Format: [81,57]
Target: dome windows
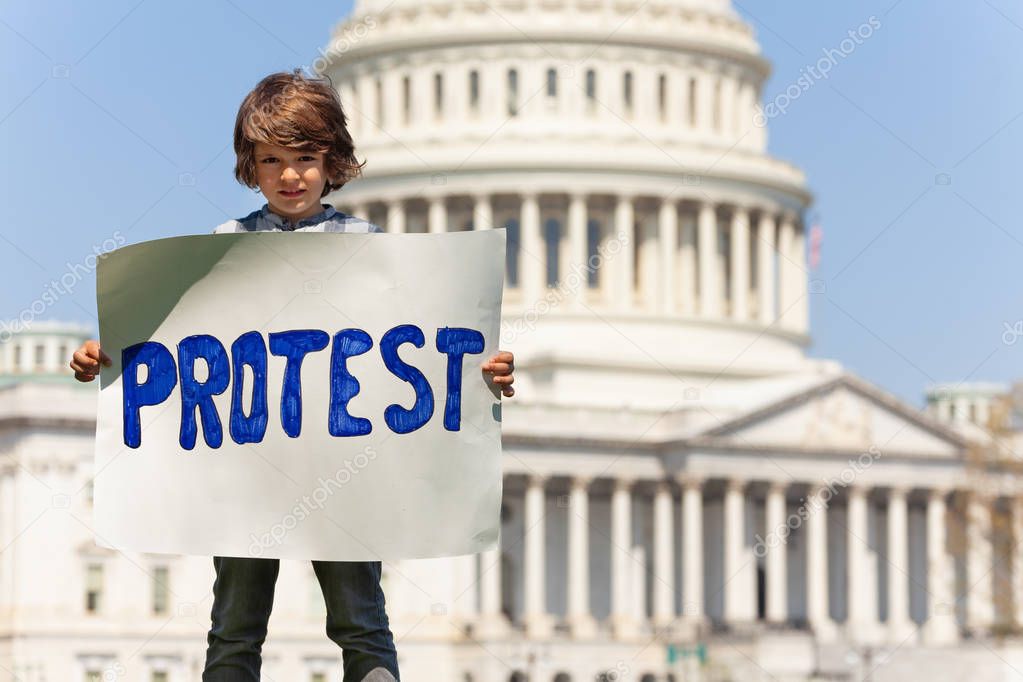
[662,98]
[591,91]
[406,99]
[438,95]
[513,92]
[627,96]
[474,91]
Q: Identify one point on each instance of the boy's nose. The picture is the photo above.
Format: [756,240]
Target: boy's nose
[289,174]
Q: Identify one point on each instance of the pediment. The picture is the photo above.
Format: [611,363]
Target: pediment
[843,414]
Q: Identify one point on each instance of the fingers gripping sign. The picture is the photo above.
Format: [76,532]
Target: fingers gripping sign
[86,361]
[501,367]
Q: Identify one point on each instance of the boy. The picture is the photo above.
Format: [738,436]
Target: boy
[292,144]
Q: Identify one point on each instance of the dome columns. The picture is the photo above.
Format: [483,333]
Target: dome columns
[626,253]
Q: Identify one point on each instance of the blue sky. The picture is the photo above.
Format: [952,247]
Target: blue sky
[117,118]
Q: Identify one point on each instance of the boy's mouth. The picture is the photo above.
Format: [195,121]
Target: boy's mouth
[292,195]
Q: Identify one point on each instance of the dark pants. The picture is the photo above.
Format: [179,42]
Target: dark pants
[243,596]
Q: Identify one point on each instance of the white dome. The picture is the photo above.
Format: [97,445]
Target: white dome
[572,123]
[672,23]
[719,6]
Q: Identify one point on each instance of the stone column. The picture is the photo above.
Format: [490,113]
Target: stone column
[645,96]
[580,621]
[1016,559]
[728,96]
[531,252]
[667,224]
[492,622]
[677,85]
[899,622]
[538,622]
[493,80]
[649,263]
[465,608]
[395,216]
[740,263]
[704,101]
[422,97]
[438,215]
[788,273]
[734,523]
[624,293]
[392,117]
[862,599]
[637,586]
[532,89]
[482,213]
[765,268]
[776,547]
[622,623]
[940,627]
[979,563]
[349,99]
[707,241]
[962,409]
[686,271]
[817,612]
[456,94]
[664,554]
[578,251]
[367,106]
[744,115]
[801,274]
[692,548]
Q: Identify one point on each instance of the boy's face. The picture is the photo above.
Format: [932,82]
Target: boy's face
[291,180]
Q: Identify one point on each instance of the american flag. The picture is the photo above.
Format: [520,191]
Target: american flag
[816,237]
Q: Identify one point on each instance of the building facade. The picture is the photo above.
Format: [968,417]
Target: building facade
[687,495]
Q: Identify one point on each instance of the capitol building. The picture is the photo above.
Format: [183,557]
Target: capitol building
[688,496]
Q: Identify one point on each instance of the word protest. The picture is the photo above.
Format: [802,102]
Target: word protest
[248,369]
[250,350]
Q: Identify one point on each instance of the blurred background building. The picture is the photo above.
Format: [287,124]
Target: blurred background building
[688,495]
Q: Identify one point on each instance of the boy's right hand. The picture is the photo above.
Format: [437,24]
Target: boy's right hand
[86,360]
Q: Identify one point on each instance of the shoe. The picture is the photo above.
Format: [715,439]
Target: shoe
[379,675]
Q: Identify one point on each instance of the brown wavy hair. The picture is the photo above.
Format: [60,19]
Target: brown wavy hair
[290,110]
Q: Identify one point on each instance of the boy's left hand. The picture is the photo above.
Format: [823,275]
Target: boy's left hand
[501,367]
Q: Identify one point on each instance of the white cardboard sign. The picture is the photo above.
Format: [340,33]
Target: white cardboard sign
[305,396]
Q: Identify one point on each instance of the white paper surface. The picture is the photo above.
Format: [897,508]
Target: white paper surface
[385,495]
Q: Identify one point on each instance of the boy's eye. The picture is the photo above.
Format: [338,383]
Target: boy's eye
[273,159]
